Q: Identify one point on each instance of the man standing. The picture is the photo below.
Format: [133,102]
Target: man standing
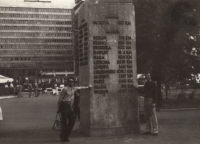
[65,107]
[150,95]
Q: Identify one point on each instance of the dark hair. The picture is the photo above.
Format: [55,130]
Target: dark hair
[70,78]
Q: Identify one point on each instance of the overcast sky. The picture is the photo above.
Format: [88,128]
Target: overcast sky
[54,3]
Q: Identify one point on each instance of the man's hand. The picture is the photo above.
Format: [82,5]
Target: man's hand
[90,86]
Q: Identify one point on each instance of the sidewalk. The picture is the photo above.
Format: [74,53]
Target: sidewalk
[161,109]
[7,97]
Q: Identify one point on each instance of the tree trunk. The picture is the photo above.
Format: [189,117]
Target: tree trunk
[166,90]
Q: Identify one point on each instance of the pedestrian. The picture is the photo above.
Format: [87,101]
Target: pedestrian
[16,85]
[11,85]
[30,89]
[43,87]
[65,107]
[36,89]
[55,89]
[150,95]
[20,88]
[8,83]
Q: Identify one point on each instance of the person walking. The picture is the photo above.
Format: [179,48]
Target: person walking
[150,95]
[65,107]
[56,88]
[20,88]
[30,89]
[43,88]
[36,89]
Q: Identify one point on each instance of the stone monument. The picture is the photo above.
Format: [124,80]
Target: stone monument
[107,61]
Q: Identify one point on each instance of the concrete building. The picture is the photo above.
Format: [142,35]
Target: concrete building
[34,40]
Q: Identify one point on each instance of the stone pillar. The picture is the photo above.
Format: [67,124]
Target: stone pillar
[107,55]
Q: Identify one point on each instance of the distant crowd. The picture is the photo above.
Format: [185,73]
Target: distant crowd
[34,86]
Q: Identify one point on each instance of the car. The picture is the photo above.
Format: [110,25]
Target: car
[141,108]
[141,81]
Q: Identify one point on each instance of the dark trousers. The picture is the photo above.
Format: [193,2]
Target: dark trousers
[68,119]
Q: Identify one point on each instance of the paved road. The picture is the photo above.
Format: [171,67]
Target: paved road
[29,121]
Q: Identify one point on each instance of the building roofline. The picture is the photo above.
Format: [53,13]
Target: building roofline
[35,7]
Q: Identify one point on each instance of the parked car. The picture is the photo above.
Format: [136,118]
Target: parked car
[49,88]
[141,108]
[141,81]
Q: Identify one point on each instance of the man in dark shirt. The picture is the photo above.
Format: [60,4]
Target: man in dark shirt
[150,95]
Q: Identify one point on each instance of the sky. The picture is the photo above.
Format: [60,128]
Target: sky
[54,3]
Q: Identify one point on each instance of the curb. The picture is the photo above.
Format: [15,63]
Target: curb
[7,97]
[181,109]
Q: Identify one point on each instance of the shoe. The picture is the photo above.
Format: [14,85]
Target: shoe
[62,137]
[147,133]
[154,134]
[67,140]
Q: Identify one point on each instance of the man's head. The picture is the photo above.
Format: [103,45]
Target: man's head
[71,82]
[148,76]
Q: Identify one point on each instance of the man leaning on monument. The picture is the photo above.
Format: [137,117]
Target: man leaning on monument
[65,107]
[150,95]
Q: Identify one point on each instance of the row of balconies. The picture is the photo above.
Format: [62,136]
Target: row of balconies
[36,58]
[36,46]
[27,15]
[35,10]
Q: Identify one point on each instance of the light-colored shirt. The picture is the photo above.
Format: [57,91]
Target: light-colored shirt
[36,86]
[67,93]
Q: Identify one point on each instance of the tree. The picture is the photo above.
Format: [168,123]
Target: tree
[174,40]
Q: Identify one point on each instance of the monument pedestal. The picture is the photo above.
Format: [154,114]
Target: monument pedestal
[107,61]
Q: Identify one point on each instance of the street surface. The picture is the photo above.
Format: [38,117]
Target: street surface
[29,121]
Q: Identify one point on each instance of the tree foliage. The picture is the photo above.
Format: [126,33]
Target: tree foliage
[168,40]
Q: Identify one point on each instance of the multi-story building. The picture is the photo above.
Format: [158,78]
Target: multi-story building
[34,40]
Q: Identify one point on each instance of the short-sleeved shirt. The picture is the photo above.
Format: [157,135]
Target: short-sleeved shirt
[68,93]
